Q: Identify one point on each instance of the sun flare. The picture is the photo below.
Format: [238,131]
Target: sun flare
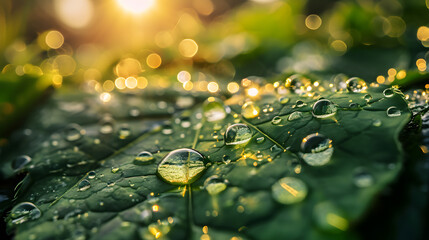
[136,6]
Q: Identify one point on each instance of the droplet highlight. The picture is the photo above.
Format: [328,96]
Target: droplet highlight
[316,149]
[289,190]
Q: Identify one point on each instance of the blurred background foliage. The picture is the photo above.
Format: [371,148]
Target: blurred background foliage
[106,46]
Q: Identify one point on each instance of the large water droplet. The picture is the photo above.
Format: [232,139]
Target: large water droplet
[356,85]
[316,149]
[276,120]
[289,190]
[181,166]
[324,108]
[20,162]
[393,112]
[214,184]
[362,178]
[73,132]
[238,134]
[250,110]
[143,158]
[24,212]
[294,116]
[214,109]
[367,97]
[83,185]
[388,92]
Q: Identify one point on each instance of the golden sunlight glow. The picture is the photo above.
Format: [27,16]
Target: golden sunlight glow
[421,64]
[381,79]
[142,82]
[233,87]
[131,82]
[120,83]
[54,39]
[155,208]
[391,72]
[183,76]
[108,85]
[57,80]
[136,6]
[423,33]
[213,87]
[313,22]
[401,74]
[252,92]
[339,46]
[337,221]
[153,60]
[188,85]
[188,48]
[74,13]
[105,97]
[128,67]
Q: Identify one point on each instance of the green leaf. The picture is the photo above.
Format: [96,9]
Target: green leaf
[127,200]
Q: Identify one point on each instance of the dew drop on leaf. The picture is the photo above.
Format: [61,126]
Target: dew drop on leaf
[276,120]
[393,112]
[250,110]
[20,162]
[388,92]
[289,190]
[185,122]
[367,97]
[115,169]
[362,178]
[284,100]
[91,175]
[167,129]
[324,108]
[298,104]
[260,140]
[214,109]
[294,116]
[328,217]
[316,149]
[124,132]
[144,158]
[83,185]
[181,166]
[214,185]
[237,134]
[107,125]
[376,123]
[24,212]
[73,132]
[356,85]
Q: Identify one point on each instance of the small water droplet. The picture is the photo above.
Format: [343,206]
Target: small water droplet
[276,120]
[73,132]
[143,158]
[215,185]
[362,178]
[83,185]
[167,129]
[124,132]
[356,85]
[107,125]
[388,92]
[226,159]
[185,122]
[289,190]
[376,123]
[316,149]
[299,103]
[393,112]
[214,109]
[23,212]
[354,106]
[250,110]
[181,166]
[294,116]
[367,97]
[134,112]
[237,134]
[20,162]
[260,140]
[324,108]
[284,100]
[115,169]
[91,175]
